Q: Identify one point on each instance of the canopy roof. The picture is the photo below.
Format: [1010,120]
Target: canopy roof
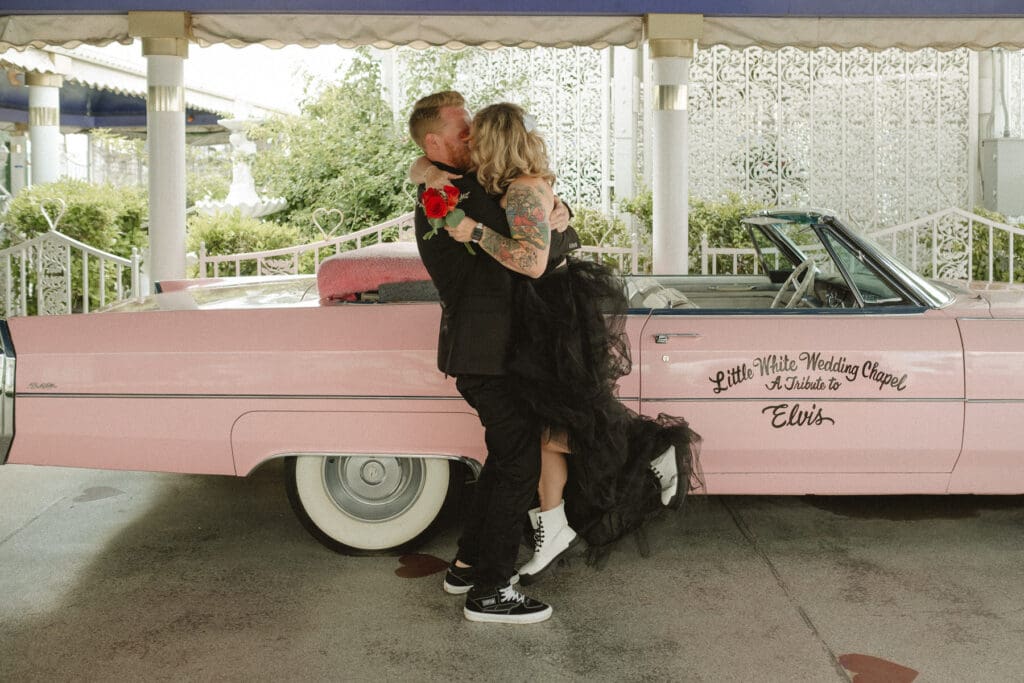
[101,92]
[875,24]
[721,8]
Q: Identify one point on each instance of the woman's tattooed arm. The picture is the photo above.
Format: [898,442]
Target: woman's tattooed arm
[527,206]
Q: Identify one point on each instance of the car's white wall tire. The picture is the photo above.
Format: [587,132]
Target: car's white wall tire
[366,504]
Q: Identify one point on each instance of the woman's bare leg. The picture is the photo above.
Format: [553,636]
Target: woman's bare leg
[553,536]
[554,470]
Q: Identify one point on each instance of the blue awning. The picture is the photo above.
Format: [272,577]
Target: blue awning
[84,107]
[99,91]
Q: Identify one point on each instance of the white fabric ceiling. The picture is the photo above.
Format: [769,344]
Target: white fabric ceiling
[276,30]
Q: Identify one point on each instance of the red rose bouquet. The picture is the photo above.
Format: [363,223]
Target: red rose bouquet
[442,208]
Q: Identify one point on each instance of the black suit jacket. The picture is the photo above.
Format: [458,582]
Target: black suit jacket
[475,291]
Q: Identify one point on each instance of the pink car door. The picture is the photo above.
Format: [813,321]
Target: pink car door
[791,402]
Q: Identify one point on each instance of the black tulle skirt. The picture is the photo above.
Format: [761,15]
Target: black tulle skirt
[569,352]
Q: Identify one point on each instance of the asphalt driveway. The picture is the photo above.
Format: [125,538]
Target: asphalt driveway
[129,576]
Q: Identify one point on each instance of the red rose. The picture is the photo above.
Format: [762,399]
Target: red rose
[435,204]
[453,195]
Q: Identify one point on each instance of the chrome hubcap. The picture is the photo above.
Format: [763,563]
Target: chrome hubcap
[373,488]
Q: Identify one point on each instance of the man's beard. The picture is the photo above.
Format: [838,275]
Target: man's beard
[459,155]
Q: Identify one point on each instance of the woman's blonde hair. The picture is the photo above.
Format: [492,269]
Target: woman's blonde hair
[503,150]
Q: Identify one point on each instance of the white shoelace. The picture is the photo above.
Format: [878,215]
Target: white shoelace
[510,594]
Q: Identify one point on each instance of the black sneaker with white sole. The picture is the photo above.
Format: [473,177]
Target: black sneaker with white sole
[504,605]
[459,580]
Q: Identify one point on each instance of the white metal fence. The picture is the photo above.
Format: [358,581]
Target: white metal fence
[304,257]
[958,245]
[307,257]
[952,244]
[52,274]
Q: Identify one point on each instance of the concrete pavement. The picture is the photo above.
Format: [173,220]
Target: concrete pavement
[129,576]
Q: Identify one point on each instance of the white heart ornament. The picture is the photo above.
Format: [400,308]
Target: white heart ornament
[335,216]
[53,210]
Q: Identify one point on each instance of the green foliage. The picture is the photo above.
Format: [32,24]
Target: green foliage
[595,227]
[232,233]
[346,151]
[102,216]
[438,68]
[642,207]
[598,229]
[719,221]
[207,173]
[428,71]
[1000,250]
[208,183]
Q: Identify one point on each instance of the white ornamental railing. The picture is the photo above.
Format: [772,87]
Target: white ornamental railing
[289,261]
[951,244]
[36,276]
[621,255]
[957,245]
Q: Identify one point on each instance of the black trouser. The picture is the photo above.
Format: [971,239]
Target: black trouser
[507,484]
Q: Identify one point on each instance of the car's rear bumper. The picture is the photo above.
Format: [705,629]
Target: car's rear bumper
[6,391]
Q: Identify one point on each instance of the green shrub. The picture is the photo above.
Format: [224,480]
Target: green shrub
[718,220]
[642,207]
[104,217]
[209,183]
[1000,250]
[232,233]
[720,223]
[596,228]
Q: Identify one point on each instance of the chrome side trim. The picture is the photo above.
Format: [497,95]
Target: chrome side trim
[304,397]
[995,400]
[7,389]
[814,399]
[286,397]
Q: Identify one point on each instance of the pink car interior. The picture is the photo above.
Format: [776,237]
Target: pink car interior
[343,276]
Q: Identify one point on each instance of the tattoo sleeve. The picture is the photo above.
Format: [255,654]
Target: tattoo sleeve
[526,251]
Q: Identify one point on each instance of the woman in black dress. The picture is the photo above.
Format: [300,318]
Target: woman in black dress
[605,469]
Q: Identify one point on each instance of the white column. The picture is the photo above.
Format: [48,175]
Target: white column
[165,47]
[165,136]
[389,80]
[979,119]
[985,92]
[44,125]
[19,160]
[624,112]
[671,38]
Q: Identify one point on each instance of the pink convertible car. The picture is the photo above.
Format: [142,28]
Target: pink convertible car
[834,370]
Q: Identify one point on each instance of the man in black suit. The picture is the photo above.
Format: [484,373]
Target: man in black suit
[476,302]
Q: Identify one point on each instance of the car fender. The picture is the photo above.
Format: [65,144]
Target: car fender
[261,435]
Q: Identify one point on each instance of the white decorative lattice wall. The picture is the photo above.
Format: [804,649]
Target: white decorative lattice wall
[881,137]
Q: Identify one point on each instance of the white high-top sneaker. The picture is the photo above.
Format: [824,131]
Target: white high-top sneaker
[665,468]
[552,537]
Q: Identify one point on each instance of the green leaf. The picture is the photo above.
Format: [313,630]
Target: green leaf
[454,217]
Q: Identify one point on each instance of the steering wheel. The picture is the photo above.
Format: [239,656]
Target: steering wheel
[799,287]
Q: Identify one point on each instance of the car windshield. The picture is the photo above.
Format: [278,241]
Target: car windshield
[786,240]
[937,292]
